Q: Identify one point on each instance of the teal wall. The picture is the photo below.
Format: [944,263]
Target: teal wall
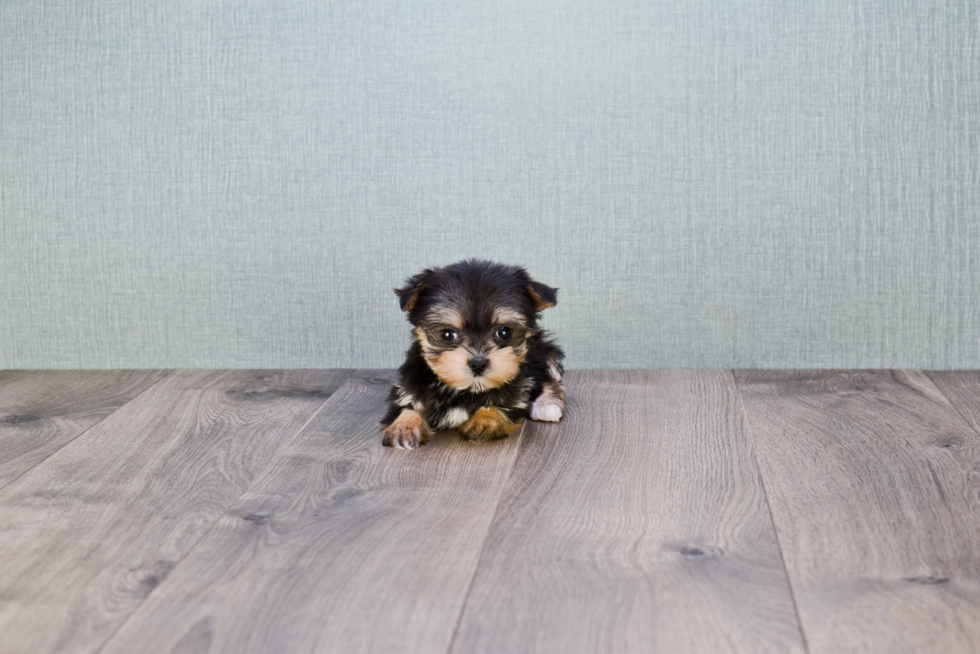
[241,184]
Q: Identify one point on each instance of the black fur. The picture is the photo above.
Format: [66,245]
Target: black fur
[474,290]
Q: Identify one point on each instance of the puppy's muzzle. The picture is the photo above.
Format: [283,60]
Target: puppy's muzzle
[478,365]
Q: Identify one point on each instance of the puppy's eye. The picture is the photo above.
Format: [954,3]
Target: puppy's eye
[449,335]
[503,333]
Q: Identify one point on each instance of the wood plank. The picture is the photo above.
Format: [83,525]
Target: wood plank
[42,410]
[637,524]
[962,388]
[874,484]
[342,546]
[87,534]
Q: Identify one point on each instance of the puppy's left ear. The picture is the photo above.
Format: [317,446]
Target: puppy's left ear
[408,295]
[543,296]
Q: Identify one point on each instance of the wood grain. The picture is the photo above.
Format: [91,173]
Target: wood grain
[962,388]
[42,410]
[87,534]
[874,485]
[638,524]
[342,546]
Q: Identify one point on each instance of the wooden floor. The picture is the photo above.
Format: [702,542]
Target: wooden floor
[671,511]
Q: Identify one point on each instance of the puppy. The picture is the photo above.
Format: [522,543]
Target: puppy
[478,361]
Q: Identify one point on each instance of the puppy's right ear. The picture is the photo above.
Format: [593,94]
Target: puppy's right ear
[408,295]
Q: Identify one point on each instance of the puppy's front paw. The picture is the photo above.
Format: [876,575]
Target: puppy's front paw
[407,432]
[550,404]
[486,424]
[547,408]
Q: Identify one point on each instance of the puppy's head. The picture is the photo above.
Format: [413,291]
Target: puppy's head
[473,319]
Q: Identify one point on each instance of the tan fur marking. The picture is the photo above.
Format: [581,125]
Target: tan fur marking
[504,316]
[553,394]
[422,339]
[452,368]
[556,390]
[539,304]
[407,431]
[446,316]
[504,364]
[412,301]
[487,424]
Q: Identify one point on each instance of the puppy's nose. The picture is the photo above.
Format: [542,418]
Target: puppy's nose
[478,365]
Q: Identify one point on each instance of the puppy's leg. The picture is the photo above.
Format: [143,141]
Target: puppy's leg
[407,432]
[549,406]
[486,424]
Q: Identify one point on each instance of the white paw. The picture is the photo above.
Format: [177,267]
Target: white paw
[546,409]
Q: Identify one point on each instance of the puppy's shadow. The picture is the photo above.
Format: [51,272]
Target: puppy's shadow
[452,439]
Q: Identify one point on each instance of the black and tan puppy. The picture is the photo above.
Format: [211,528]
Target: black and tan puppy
[478,361]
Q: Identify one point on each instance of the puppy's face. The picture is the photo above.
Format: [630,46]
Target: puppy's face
[472,351]
[473,319]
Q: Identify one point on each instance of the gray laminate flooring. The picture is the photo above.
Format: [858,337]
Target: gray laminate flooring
[670,511]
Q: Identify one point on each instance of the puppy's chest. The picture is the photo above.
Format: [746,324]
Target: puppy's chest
[450,412]
[450,417]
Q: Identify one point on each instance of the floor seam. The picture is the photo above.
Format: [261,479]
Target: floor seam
[95,424]
[483,547]
[197,542]
[772,518]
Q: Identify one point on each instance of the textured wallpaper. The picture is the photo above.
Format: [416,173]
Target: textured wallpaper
[241,184]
